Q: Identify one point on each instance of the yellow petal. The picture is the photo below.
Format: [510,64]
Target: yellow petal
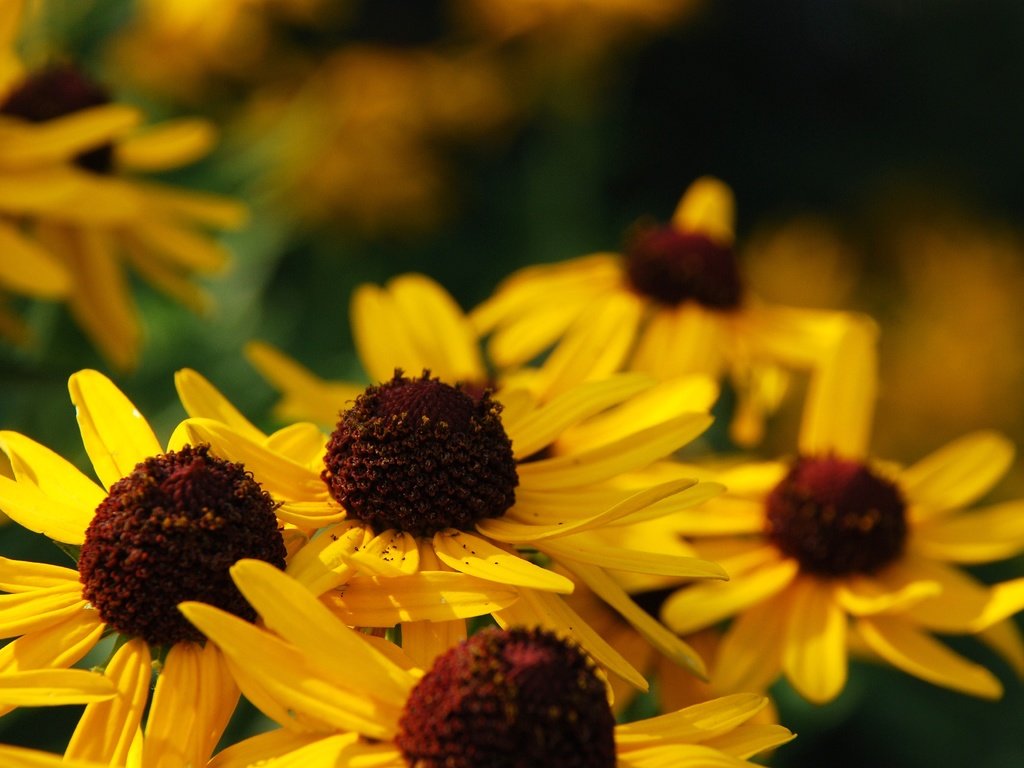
[214,701]
[631,452]
[656,633]
[382,341]
[472,555]
[679,756]
[596,552]
[918,654]
[958,473]
[51,473]
[28,576]
[167,145]
[751,739]
[707,207]
[544,425]
[302,443]
[840,401]
[956,608]
[981,536]
[202,400]
[25,504]
[305,395]
[28,611]
[694,723]
[701,605]
[56,647]
[380,601]
[1006,639]
[543,609]
[864,596]
[30,269]
[292,678]
[53,687]
[262,747]
[438,328]
[19,757]
[424,641]
[1005,600]
[749,657]
[684,340]
[814,653]
[392,553]
[62,138]
[181,246]
[198,207]
[281,600]
[115,434]
[106,730]
[323,563]
[171,724]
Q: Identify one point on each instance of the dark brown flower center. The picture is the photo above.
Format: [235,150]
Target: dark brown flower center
[169,532]
[420,456]
[509,699]
[55,92]
[672,267]
[836,517]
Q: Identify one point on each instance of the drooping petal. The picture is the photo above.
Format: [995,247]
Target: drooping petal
[115,434]
[1006,599]
[981,536]
[596,552]
[814,653]
[55,647]
[29,269]
[171,724]
[106,730]
[700,605]
[749,657]
[958,473]
[53,687]
[216,699]
[475,556]
[694,723]
[382,601]
[917,653]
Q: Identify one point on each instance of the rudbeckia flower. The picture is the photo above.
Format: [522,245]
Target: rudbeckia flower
[66,155]
[673,304]
[500,698]
[423,475]
[162,526]
[835,549]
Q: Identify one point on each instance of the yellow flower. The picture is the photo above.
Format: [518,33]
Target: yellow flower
[522,691]
[64,151]
[674,304]
[422,475]
[163,526]
[836,550]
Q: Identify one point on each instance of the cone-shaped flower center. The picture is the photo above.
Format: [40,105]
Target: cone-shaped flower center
[169,532]
[420,456]
[59,91]
[672,267]
[836,517]
[509,699]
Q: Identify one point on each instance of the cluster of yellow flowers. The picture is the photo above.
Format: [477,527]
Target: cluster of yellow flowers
[479,558]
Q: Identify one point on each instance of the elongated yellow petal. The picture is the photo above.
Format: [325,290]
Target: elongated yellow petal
[994,533]
[683,341]
[864,596]
[303,443]
[189,205]
[749,657]
[424,641]
[1006,599]
[106,730]
[438,328]
[679,756]
[181,246]
[475,556]
[171,725]
[203,400]
[392,553]
[28,611]
[310,514]
[694,723]
[913,651]
[29,269]
[323,563]
[261,748]
[955,609]
[382,341]
[595,552]
[380,601]
[28,576]
[19,757]
[750,739]
[51,473]
[292,678]
[55,647]
[215,700]
[115,434]
[656,633]
[167,145]
[544,425]
[515,344]
[814,654]
[1006,639]
[841,396]
[24,503]
[53,687]
[64,137]
[305,395]
[701,605]
[543,609]
[707,207]
[631,452]
[280,600]
[958,473]
[594,347]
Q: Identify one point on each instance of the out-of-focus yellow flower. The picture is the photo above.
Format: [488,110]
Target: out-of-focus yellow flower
[837,550]
[674,304]
[529,691]
[65,154]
